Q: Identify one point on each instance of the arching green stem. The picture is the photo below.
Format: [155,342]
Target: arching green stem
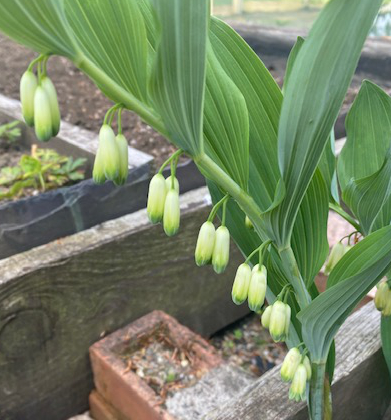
[216,207]
[170,159]
[120,94]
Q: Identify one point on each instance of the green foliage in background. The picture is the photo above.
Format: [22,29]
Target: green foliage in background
[10,131]
[43,170]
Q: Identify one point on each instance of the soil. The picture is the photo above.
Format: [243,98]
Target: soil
[248,345]
[162,365]
[10,154]
[82,104]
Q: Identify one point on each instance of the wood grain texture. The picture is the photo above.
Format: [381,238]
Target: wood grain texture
[361,387]
[58,299]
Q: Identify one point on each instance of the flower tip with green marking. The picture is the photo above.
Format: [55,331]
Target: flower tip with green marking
[257,288]
[28,86]
[297,389]
[220,257]
[248,223]
[241,284]
[51,93]
[109,152]
[156,198]
[42,115]
[98,173]
[122,145]
[171,213]
[290,364]
[205,244]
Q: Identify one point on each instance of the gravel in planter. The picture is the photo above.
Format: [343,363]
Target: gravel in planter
[161,364]
[249,346]
[166,369]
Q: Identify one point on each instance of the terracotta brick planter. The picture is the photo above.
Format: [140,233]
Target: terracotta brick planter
[120,391]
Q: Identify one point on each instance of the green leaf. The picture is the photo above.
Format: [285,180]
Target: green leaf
[30,165]
[317,85]
[112,34]
[309,236]
[370,198]
[226,123]
[368,128]
[40,25]
[351,279]
[263,98]
[178,82]
[327,166]
[385,331]
[291,60]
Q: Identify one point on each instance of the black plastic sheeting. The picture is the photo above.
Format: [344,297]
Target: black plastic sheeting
[34,221]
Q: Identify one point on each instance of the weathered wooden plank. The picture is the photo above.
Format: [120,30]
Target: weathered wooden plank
[265,41]
[58,299]
[361,387]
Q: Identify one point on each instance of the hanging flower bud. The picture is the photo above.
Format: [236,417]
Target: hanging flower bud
[248,223]
[109,152]
[205,244]
[169,184]
[51,93]
[279,323]
[335,255]
[122,146]
[42,115]
[382,295]
[265,319]
[347,248]
[28,86]
[308,368]
[98,173]
[171,216]
[290,364]
[241,284]
[387,307]
[220,257]
[299,382]
[257,289]
[156,198]
[287,319]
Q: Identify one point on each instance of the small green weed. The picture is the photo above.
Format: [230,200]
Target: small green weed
[43,170]
[10,131]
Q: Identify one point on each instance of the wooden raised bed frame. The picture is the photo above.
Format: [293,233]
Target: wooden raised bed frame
[58,299]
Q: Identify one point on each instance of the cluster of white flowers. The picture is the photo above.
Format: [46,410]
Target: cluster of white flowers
[39,102]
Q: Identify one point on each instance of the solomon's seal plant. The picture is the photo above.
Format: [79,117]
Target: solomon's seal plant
[39,100]
[267,154]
